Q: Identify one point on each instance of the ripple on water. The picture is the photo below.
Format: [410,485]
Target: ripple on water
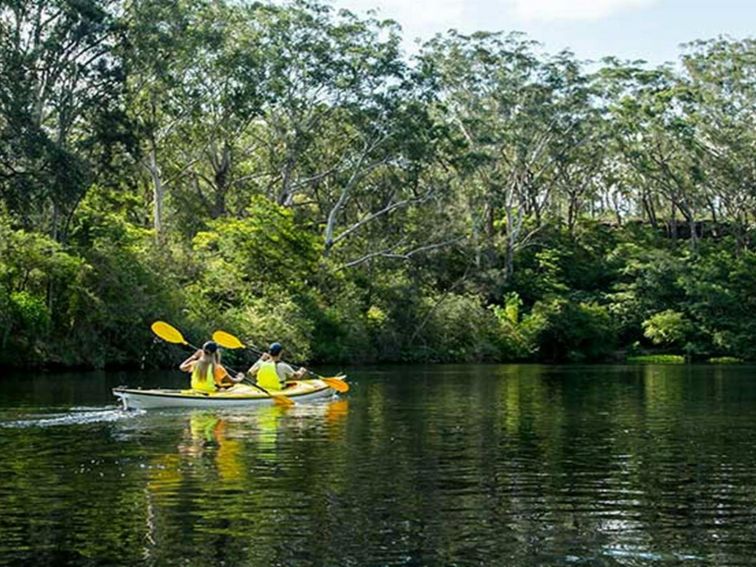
[74,416]
[512,469]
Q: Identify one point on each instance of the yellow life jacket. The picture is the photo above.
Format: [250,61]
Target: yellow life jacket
[206,384]
[267,377]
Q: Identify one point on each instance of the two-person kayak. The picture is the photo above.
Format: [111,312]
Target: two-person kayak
[240,395]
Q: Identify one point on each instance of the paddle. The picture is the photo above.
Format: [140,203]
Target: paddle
[171,334]
[229,341]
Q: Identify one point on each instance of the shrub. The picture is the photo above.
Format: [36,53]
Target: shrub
[516,336]
[571,331]
[667,328]
[457,327]
[276,317]
[657,359]
[725,360]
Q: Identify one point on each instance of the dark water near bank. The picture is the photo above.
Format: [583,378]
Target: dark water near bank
[477,465]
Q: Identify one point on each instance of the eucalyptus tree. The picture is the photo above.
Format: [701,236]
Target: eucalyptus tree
[289,101]
[60,104]
[227,88]
[161,55]
[316,65]
[392,200]
[720,76]
[338,117]
[513,111]
[655,136]
[582,171]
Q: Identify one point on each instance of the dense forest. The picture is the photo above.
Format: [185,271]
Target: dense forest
[288,172]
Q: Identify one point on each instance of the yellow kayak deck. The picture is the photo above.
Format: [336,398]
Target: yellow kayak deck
[245,391]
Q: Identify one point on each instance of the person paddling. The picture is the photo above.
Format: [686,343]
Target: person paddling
[207,373]
[271,373]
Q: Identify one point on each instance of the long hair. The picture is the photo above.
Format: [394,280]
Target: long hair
[207,361]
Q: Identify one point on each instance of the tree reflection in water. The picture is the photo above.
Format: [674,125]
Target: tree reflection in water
[520,465]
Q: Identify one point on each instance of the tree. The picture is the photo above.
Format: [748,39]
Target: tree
[60,113]
[668,328]
[657,139]
[511,109]
[721,77]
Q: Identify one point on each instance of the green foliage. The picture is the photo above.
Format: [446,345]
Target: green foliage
[657,359]
[342,332]
[283,172]
[720,298]
[30,312]
[60,116]
[725,360]
[669,328]
[457,327]
[241,257]
[572,331]
[517,335]
[277,317]
[37,280]
[125,291]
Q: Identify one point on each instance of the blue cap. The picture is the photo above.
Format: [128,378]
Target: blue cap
[210,347]
[275,349]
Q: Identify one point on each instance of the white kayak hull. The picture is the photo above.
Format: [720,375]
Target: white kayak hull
[240,396]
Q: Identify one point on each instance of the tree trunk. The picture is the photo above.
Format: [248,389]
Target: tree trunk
[510,240]
[673,221]
[687,212]
[648,206]
[488,213]
[285,196]
[572,210]
[616,208]
[158,193]
[55,221]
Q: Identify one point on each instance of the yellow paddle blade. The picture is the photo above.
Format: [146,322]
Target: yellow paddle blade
[281,400]
[278,399]
[227,340]
[337,384]
[168,333]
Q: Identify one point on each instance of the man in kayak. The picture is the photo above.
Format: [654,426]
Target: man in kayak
[207,373]
[271,372]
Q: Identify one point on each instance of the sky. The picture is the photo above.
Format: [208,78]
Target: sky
[651,30]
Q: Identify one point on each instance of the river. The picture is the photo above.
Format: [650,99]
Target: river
[434,465]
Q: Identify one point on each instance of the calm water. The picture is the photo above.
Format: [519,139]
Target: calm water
[477,465]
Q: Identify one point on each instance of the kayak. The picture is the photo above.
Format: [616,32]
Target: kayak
[240,395]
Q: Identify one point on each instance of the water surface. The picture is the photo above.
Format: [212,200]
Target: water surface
[445,465]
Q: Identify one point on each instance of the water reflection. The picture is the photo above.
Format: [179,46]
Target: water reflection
[231,479]
[224,446]
[524,465]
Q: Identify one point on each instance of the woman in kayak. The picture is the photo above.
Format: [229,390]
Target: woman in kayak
[271,372]
[207,373]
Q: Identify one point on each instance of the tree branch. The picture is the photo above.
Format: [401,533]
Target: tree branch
[387,253]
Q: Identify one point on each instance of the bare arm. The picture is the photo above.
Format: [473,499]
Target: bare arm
[256,366]
[188,364]
[289,373]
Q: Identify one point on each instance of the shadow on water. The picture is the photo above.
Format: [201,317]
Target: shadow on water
[450,465]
